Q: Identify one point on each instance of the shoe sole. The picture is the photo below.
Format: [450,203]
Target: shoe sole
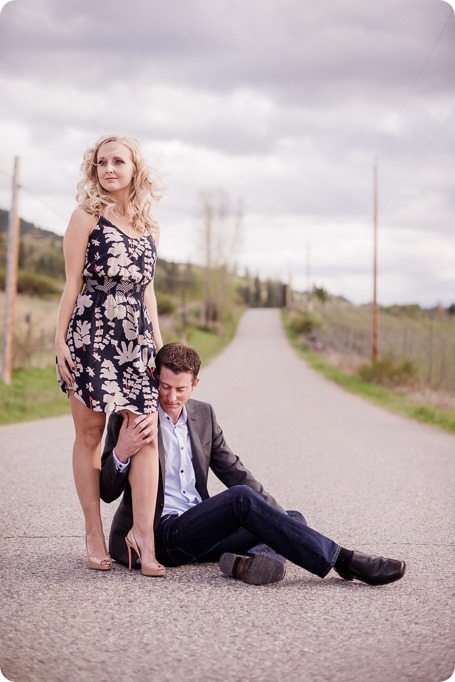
[254,570]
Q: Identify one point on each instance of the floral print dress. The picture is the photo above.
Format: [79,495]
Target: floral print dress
[110,334]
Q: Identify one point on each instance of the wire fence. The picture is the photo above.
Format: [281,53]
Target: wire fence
[428,343]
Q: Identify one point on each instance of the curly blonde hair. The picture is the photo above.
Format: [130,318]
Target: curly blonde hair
[144,188]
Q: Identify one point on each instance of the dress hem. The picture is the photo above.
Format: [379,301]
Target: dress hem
[130,408]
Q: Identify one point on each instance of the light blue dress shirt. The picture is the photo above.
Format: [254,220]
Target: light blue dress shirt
[180,492]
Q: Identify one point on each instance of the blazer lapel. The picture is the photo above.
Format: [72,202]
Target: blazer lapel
[199,462]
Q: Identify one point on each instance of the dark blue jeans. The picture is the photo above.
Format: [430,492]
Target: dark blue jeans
[239,520]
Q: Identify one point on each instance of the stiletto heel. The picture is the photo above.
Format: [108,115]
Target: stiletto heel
[131,553]
[104,564]
[152,570]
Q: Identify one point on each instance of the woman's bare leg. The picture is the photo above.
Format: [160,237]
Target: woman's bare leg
[89,427]
[143,478]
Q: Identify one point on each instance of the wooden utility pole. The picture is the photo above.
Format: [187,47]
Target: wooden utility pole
[374,350]
[11,279]
[309,302]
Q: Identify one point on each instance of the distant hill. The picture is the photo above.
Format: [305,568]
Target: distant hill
[27,229]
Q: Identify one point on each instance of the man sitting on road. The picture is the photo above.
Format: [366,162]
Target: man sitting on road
[243,527]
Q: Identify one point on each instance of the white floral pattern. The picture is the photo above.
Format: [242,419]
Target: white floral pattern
[110,334]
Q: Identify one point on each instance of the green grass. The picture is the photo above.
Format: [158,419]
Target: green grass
[379,395]
[34,392]
[209,344]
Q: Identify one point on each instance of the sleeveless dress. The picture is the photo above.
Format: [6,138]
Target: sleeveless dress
[110,334]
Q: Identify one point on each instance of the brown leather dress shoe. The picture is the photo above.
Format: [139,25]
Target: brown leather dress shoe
[373,570]
[255,569]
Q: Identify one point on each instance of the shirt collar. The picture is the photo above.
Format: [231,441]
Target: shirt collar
[163,416]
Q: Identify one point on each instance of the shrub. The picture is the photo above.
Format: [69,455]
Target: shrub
[321,294]
[166,304]
[389,372]
[32,284]
[305,323]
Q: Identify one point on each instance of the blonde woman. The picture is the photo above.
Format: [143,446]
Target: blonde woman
[108,333]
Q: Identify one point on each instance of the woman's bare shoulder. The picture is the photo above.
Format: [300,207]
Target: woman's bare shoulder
[82,221]
[82,216]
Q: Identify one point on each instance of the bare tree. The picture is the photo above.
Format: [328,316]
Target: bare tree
[221,232]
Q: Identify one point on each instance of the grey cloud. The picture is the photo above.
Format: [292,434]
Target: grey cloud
[306,57]
[295,50]
[327,87]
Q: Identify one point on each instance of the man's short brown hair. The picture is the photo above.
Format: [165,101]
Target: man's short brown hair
[178,358]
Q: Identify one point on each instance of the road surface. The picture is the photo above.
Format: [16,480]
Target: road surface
[369,479]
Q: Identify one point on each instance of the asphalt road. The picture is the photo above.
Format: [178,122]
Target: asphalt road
[371,480]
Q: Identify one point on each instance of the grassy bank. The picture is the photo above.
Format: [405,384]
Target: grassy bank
[379,395]
[34,392]
[209,344]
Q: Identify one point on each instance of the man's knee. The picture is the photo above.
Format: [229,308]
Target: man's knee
[243,492]
[298,516]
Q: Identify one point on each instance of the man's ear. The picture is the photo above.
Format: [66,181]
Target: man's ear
[195,383]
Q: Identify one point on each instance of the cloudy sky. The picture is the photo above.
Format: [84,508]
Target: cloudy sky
[285,105]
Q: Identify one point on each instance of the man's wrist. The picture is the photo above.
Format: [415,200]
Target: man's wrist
[120,465]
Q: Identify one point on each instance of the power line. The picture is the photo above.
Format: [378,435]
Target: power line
[51,208]
[7,175]
[405,104]
[428,60]
[36,196]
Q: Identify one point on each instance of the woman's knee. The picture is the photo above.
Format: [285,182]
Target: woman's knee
[89,425]
[89,431]
[91,435]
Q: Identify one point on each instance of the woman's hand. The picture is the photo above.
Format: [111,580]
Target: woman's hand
[65,362]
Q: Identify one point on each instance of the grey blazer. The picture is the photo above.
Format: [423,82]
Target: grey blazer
[210,451]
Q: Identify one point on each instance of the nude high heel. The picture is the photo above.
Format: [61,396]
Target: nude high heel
[104,564]
[146,569]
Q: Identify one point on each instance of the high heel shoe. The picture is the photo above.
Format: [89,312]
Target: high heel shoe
[104,564]
[147,569]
